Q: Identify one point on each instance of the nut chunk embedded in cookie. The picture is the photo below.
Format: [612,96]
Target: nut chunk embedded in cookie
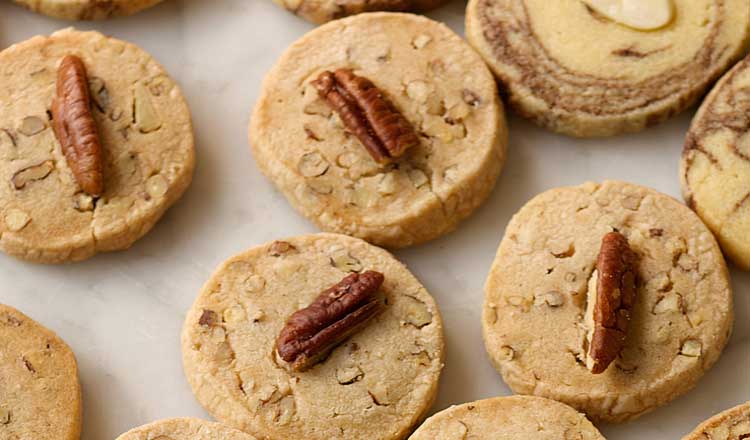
[611,297]
[339,312]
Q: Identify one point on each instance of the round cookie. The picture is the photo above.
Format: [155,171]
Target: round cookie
[515,417]
[147,142]
[40,397]
[377,385]
[321,11]
[731,424]
[86,9]
[434,79]
[715,165]
[184,429]
[537,293]
[573,70]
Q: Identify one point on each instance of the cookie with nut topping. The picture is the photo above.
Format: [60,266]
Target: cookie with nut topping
[321,11]
[612,298]
[40,396]
[515,417]
[603,67]
[316,337]
[86,9]
[383,126]
[96,143]
[731,424]
[185,429]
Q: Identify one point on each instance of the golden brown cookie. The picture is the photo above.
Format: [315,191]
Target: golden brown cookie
[86,9]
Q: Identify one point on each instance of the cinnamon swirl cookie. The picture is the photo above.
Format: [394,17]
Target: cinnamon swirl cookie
[602,67]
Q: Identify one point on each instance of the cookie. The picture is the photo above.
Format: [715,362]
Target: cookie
[516,417]
[184,429]
[544,285]
[40,397]
[732,424]
[321,11]
[377,384]
[574,70]
[716,164]
[433,80]
[146,136]
[86,9]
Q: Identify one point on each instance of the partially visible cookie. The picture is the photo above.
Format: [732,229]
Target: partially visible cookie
[571,69]
[376,385]
[184,429]
[544,285]
[40,397]
[86,9]
[321,11]
[715,167]
[515,417]
[433,79]
[732,424]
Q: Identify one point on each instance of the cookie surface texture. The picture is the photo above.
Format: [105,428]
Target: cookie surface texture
[732,424]
[185,429]
[321,11]
[575,71]
[537,293]
[147,141]
[434,79]
[86,9]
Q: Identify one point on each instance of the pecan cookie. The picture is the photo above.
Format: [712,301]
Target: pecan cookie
[612,298]
[515,417]
[86,9]
[732,424]
[321,11]
[315,337]
[184,429]
[715,167]
[96,143]
[598,67]
[40,397]
[383,126]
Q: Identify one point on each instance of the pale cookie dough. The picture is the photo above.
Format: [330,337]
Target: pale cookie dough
[732,424]
[434,79]
[715,167]
[40,397]
[377,385]
[508,418]
[86,9]
[536,298]
[184,429]
[573,70]
[321,11]
[147,140]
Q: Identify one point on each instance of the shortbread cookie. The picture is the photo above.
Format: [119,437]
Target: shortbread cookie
[715,169]
[516,417]
[146,137]
[184,429]
[542,286]
[732,424]
[321,11]
[576,71]
[86,9]
[376,385]
[439,86]
[40,397]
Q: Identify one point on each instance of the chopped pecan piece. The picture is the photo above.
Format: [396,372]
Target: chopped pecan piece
[613,302]
[365,111]
[340,311]
[75,127]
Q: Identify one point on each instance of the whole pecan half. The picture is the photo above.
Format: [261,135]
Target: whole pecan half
[364,110]
[615,297]
[340,311]
[75,127]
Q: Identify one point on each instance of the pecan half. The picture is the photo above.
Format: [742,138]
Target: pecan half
[365,111]
[609,311]
[340,311]
[75,127]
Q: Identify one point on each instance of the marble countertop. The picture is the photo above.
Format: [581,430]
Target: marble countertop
[122,312]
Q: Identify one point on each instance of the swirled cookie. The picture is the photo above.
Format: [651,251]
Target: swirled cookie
[86,9]
[543,284]
[732,424]
[433,79]
[715,167]
[576,71]
[184,429]
[321,11]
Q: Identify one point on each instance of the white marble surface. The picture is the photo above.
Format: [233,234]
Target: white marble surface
[122,312]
